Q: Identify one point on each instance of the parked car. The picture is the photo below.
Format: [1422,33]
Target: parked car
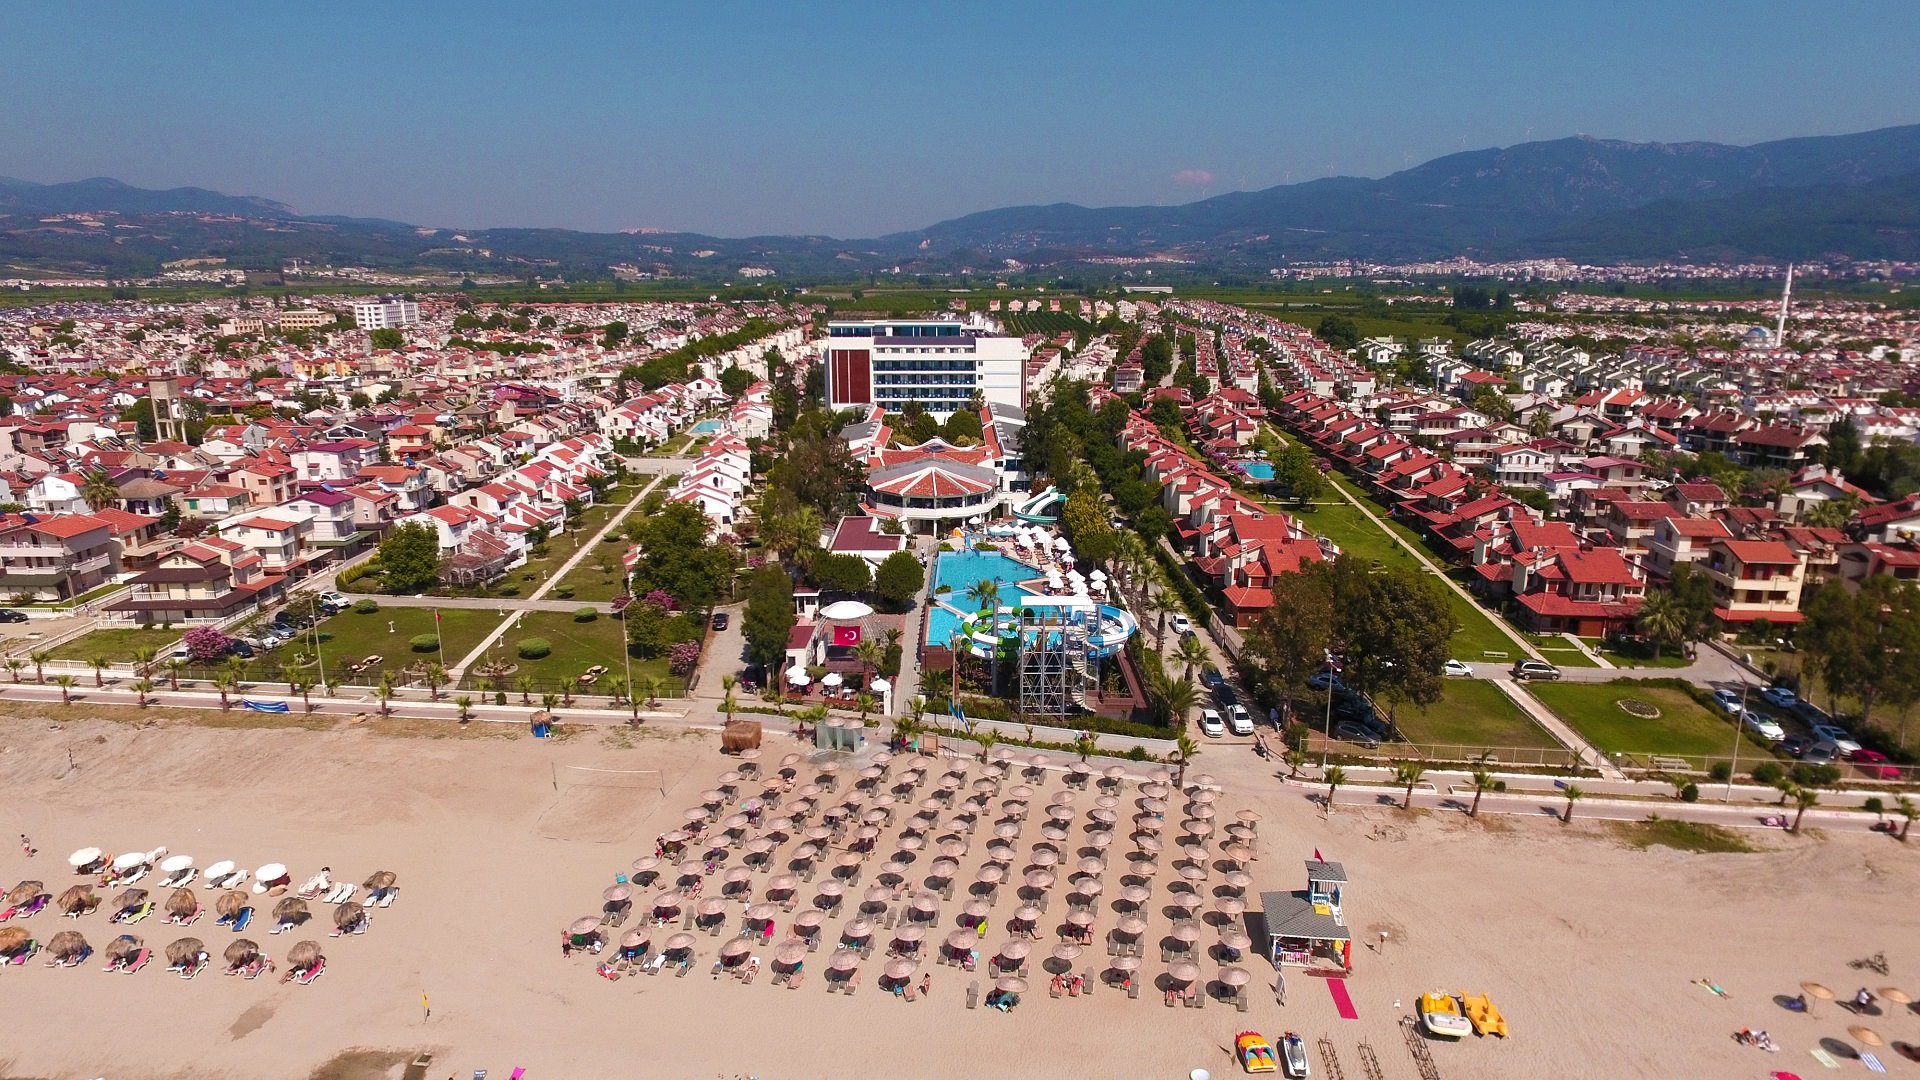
[1356,733]
[1457,669]
[1821,753]
[1780,697]
[1763,726]
[1210,724]
[720,620]
[1210,678]
[337,599]
[1225,693]
[241,649]
[1525,670]
[1238,720]
[1325,680]
[1728,701]
[1794,745]
[1875,765]
[1838,736]
[10,615]
[1182,625]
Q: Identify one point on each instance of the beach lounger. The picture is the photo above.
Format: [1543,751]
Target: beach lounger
[1133,989]
[659,961]
[886,920]
[387,898]
[140,913]
[685,966]
[852,984]
[342,893]
[1086,983]
[780,978]
[1240,1002]
[306,977]
[794,983]
[1053,989]
[906,992]
[973,995]
[180,880]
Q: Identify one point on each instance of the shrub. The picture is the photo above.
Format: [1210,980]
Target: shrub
[1721,772]
[586,614]
[682,657]
[206,645]
[1874,805]
[1768,772]
[1690,793]
[563,592]
[366,607]
[424,642]
[1136,752]
[508,589]
[499,697]
[1810,775]
[533,648]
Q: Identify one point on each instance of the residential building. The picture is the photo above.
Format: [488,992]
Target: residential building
[942,364]
[55,558]
[388,314]
[1754,580]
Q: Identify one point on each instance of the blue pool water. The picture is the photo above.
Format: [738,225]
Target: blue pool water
[708,427]
[1258,470]
[958,570]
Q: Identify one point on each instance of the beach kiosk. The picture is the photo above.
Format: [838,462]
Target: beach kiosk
[1308,928]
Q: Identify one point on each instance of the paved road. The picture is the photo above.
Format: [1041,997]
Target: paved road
[1752,815]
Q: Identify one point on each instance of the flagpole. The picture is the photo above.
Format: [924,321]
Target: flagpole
[439,641]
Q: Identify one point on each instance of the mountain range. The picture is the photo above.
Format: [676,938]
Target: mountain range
[1597,200]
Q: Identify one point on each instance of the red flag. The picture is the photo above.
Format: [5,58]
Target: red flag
[846,636]
[1316,856]
[436,614]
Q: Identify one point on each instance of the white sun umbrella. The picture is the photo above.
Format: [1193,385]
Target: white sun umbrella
[1054,580]
[845,611]
[879,686]
[1060,544]
[832,679]
[798,676]
[1097,575]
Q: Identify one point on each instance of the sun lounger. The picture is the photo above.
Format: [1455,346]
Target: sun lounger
[780,977]
[794,983]
[180,880]
[140,913]
[1133,990]
[852,984]
[653,966]
[973,995]
[1240,1002]
[342,893]
[685,966]
[306,977]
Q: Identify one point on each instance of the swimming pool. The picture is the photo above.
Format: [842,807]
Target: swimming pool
[1258,470]
[958,570]
[708,427]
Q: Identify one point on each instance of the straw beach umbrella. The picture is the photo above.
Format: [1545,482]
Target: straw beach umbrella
[1866,1035]
[13,939]
[348,915]
[123,947]
[1010,984]
[381,879]
[188,949]
[790,952]
[75,899]
[241,953]
[66,944]
[303,955]
[291,910]
[27,891]
[678,943]
[230,904]
[182,903]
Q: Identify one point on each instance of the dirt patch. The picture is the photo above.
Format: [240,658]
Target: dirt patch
[363,1064]
[251,1021]
[600,813]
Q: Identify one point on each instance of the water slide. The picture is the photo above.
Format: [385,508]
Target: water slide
[1033,510]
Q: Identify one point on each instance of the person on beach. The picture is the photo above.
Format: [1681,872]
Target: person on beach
[26,846]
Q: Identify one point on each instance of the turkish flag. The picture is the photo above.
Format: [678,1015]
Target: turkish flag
[845,637]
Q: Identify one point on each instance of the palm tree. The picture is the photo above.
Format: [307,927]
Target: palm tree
[465,704]
[730,705]
[1085,743]
[904,729]
[1408,773]
[303,685]
[1804,799]
[651,684]
[223,681]
[142,688]
[988,739]
[1482,780]
[1295,759]
[1334,777]
[869,653]
[1574,795]
[143,660]
[435,675]
[1154,605]
[617,689]
[1172,699]
[39,659]
[66,684]
[98,491]
[1905,808]
[549,701]
[16,665]
[524,684]
[1185,749]
[985,594]
[1661,619]
[237,670]
[99,664]
[175,666]
[865,703]
[1193,653]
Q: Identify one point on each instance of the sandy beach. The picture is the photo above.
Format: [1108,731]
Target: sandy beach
[1589,947]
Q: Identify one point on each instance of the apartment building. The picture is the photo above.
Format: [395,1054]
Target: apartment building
[385,314]
[1754,580]
[941,364]
[55,558]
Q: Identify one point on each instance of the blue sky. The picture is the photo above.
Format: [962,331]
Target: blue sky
[855,119]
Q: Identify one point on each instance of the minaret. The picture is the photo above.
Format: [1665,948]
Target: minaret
[1786,297]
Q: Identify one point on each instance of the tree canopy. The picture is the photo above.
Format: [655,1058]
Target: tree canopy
[900,578]
[677,558]
[769,617]
[410,558]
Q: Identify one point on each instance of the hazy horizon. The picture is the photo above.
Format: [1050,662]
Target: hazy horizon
[868,119]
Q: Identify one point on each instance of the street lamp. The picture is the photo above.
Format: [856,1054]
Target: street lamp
[1738,733]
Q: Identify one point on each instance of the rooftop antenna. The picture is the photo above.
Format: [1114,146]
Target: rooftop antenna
[1786,297]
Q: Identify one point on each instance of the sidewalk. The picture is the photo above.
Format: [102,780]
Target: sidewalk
[1583,751]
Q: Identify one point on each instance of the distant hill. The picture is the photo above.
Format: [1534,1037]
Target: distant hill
[1593,199]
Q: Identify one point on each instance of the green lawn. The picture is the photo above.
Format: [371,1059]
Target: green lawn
[116,645]
[559,547]
[1471,713]
[352,637]
[1630,655]
[1561,654]
[1684,728]
[576,647]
